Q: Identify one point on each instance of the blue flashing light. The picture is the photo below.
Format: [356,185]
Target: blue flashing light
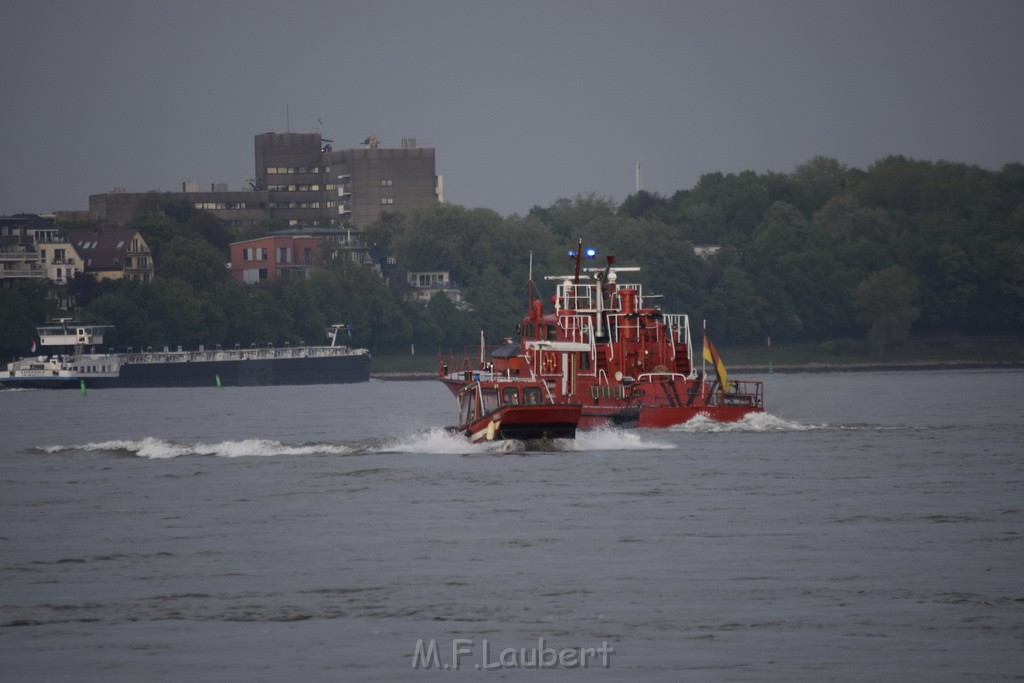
[587,253]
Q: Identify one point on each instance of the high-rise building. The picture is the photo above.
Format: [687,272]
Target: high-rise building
[301,180]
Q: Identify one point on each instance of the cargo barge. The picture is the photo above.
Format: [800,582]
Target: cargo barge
[255,366]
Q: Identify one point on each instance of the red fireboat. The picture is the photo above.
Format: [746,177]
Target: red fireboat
[604,351]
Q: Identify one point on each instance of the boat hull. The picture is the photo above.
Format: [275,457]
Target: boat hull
[657,417]
[249,373]
[342,369]
[525,423]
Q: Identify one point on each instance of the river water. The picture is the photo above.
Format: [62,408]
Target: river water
[871,526]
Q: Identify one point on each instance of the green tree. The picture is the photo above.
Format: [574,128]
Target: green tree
[22,308]
[133,323]
[496,308]
[782,231]
[818,181]
[349,293]
[644,204]
[195,261]
[886,303]
[251,314]
[570,219]
[455,326]
[205,225]
[736,310]
[741,200]
[158,230]
[382,233]
[446,237]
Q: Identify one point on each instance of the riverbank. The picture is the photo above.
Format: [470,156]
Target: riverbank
[736,370]
[841,355]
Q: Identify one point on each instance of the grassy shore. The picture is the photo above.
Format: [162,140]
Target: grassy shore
[838,354]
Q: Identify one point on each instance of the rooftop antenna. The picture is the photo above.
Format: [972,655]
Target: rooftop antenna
[639,177]
[287,118]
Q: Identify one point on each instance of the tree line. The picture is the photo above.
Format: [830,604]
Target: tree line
[823,252]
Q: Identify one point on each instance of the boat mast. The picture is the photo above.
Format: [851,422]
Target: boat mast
[602,282]
[579,255]
[529,286]
[703,358]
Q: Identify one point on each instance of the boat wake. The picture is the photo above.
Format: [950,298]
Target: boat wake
[435,441]
[153,448]
[754,422]
[612,439]
[444,441]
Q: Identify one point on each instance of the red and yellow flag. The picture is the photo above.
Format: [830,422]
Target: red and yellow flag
[711,356]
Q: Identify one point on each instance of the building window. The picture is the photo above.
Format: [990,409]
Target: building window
[387,183]
[387,200]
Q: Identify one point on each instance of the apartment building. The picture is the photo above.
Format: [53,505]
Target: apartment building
[300,180]
[20,258]
[113,253]
[423,285]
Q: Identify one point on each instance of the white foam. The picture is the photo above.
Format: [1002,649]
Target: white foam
[437,440]
[752,422]
[442,441]
[612,439]
[161,449]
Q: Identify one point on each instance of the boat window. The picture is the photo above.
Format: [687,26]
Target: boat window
[531,395]
[584,360]
[465,408]
[490,397]
[552,332]
[510,396]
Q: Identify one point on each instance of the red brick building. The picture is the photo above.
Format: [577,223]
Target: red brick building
[267,259]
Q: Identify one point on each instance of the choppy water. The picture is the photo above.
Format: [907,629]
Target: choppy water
[869,527]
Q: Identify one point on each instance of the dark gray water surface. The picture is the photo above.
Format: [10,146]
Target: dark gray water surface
[870,527]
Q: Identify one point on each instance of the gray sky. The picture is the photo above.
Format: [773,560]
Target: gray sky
[525,101]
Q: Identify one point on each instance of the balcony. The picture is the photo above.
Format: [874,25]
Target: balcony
[9,256]
[23,273]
